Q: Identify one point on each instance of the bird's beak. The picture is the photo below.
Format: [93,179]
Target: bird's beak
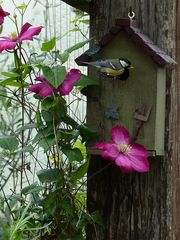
[131,67]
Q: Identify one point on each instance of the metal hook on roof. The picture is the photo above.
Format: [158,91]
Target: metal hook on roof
[131,14]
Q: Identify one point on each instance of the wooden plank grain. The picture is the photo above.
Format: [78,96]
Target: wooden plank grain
[174,140]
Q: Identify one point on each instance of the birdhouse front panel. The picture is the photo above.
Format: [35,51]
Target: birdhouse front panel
[120,100]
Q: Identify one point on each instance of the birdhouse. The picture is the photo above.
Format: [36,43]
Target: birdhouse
[138,99]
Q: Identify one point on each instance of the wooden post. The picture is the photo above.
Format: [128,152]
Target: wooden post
[139,206]
[174,132]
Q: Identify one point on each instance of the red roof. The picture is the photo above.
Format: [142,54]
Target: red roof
[136,34]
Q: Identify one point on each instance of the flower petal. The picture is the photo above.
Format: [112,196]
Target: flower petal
[138,150]
[138,156]
[111,153]
[139,163]
[28,34]
[24,28]
[7,44]
[41,89]
[103,145]
[44,88]
[36,87]
[46,92]
[1,20]
[71,78]
[3,13]
[120,134]
[124,163]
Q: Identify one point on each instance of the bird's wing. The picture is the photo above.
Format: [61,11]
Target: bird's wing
[109,63]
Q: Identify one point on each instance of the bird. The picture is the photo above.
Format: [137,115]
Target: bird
[114,68]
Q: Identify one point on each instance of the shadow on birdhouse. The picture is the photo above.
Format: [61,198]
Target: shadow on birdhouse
[141,98]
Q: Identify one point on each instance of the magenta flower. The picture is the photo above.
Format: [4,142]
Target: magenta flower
[27,33]
[128,156]
[45,89]
[3,14]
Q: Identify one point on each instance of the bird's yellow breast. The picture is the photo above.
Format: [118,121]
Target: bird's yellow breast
[113,72]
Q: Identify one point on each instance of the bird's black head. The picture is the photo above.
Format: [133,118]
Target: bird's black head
[124,62]
[124,75]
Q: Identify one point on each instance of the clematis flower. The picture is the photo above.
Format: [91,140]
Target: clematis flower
[27,33]
[128,156]
[3,14]
[45,89]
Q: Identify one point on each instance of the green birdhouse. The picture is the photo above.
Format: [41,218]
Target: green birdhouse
[138,103]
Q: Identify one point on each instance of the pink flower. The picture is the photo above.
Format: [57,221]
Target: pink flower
[45,89]
[27,33]
[128,156]
[3,14]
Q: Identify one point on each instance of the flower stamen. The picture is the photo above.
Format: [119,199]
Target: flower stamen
[13,35]
[124,148]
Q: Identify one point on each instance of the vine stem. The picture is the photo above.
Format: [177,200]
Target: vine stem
[19,65]
[22,136]
[6,200]
[93,175]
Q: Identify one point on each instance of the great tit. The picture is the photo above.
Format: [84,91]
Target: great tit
[114,68]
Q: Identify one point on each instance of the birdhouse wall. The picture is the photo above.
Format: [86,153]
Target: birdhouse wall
[117,100]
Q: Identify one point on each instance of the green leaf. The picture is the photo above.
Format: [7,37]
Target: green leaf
[50,175]
[47,142]
[85,81]
[13,82]
[53,108]
[49,45]
[28,148]
[55,75]
[43,133]
[27,127]
[9,143]
[1,28]
[33,188]
[10,74]
[73,154]
[81,146]
[63,57]
[77,46]
[85,21]
[52,103]
[67,135]
[47,103]
[75,30]
[87,133]
[26,71]
[82,170]
[39,118]
[70,121]
[47,116]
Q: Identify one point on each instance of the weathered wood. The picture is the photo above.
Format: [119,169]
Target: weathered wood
[174,130]
[139,206]
[132,206]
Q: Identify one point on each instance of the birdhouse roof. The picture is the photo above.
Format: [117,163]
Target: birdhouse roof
[83,5]
[136,34]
